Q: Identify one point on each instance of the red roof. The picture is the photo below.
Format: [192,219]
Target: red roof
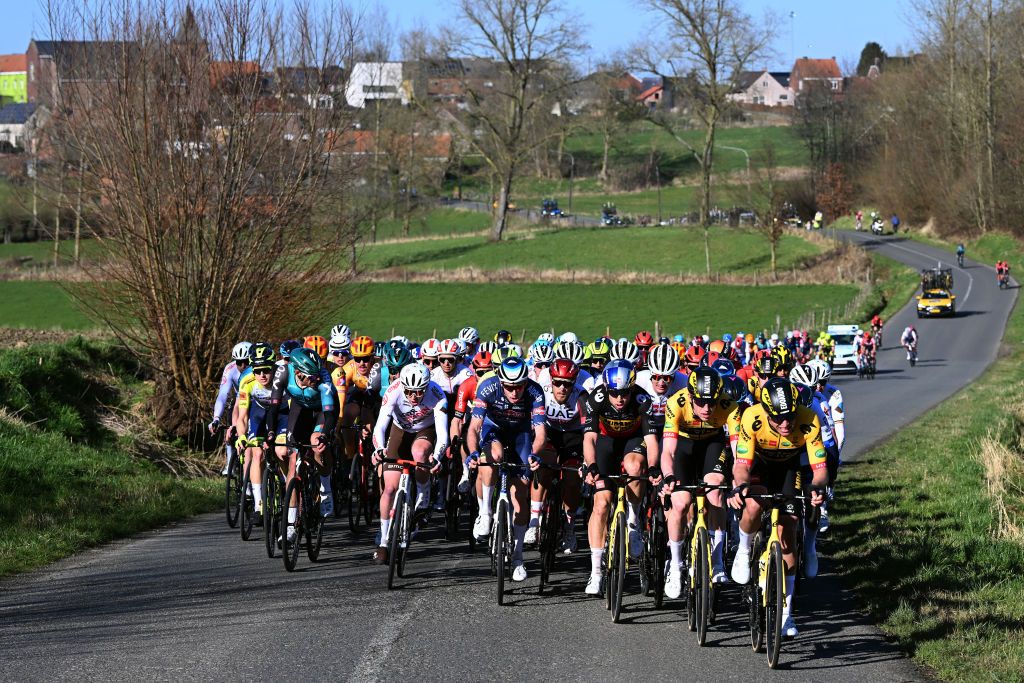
[648,93]
[13,63]
[222,70]
[817,68]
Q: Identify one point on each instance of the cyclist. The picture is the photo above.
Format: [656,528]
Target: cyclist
[563,403]
[540,360]
[876,324]
[960,251]
[317,344]
[619,433]
[482,365]
[228,387]
[429,352]
[413,423]
[773,434]
[698,421]
[643,341]
[338,352]
[502,337]
[471,338]
[449,373]
[250,416]
[572,351]
[662,378]
[312,418]
[358,385]
[508,422]
[866,350]
[909,340]
[834,396]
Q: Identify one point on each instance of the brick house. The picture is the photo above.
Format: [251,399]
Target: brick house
[810,73]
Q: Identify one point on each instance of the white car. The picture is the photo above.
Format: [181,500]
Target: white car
[845,359]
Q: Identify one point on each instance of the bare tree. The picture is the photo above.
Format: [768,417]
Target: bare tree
[614,107]
[203,161]
[530,41]
[769,198]
[707,46]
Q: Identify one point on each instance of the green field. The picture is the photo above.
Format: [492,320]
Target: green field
[436,222]
[40,304]
[664,250]
[417,310]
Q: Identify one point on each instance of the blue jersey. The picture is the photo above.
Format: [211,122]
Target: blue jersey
[321,397]
[492,403]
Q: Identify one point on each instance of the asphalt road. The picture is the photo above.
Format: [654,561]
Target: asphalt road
[192,602]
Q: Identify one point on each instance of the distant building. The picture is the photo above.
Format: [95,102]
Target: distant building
[768,88]
[658,94]
[376,81]
[809,73]
[14,122]
[13,73]
[64,72]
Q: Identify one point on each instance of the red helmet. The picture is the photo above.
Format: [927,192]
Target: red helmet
[867,335]
[693,356]
[565,369]
[709,358]
[482,360]
[643,339]
[717,346]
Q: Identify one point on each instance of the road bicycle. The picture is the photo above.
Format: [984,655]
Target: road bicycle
[403,517]
[233,481]
[273,501]
[960,259]
[455,502]
[247,499]
[652,578]
[357,493]
[766,595]
[501,541]
[304,488]
[702,593]
[616,554]
[552,523]
[911,354]
[1003,279]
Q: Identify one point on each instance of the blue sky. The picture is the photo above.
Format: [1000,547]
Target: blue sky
[820,28]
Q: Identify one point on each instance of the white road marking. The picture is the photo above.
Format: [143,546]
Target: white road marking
[371,665]
[970,279]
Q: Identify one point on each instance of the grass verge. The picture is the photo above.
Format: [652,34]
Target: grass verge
[932,520]
[70,484]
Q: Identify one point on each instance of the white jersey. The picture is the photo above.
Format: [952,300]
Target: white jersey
[584,381]
[450,385]
[658,401]
[564,417]
[835,403]
[431,411]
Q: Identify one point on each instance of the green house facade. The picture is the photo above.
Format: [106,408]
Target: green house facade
[13,81]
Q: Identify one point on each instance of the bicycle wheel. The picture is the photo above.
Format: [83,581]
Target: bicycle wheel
[452,503]
[271,510]
[233,489]
[314,522]
[754,595]
[290,549]
[702,578]
[248,508]
[393,540]
[499,550]
[776,589]
[549,528]
[659,536]
[619,572]
[355,498]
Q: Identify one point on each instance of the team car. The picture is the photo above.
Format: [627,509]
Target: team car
[934,302]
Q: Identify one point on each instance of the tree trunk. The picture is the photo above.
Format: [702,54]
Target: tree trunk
[604,155]
[56,217]
[501,213]
[78,212]
[774,246]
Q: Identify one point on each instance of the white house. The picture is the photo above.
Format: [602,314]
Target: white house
[14,120]
[769,88]
[377,81]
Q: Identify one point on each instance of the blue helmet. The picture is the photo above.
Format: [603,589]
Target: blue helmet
[727,337]
[679,338]
[724,367]
[619,375]
[287,347]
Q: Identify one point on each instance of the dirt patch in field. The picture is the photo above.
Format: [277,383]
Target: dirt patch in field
[18,337]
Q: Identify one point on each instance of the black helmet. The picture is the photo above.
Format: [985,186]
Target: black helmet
[503,337]
[705,383]
[779,398]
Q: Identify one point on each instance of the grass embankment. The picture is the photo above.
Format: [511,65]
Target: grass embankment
[40,304]
[417,310]
[932,531]
[69,483]
[668,250]
[434,223]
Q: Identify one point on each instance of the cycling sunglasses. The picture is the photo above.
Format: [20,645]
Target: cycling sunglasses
[429,362]
[415,392]
[262,371]
[482,372]
[614,393]
[513,387]
[363,359]
[703,402]
[661,378]
[303,377]
[562,384]
[447,360]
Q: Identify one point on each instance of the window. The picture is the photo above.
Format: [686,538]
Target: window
[31,72]
[764,84]
[783,97]
[835,85]
[379,89]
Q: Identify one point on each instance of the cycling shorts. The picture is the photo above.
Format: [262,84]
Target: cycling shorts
[257,427]
[780,477]
[694,459]
[400,444]
[302,422]
[610,451]
[514,444]
[567,445]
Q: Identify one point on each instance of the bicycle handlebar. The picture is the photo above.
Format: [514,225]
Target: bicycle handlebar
[406,463]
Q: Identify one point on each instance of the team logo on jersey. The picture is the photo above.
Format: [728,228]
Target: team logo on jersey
[741,449]
[756,426]
[806,428]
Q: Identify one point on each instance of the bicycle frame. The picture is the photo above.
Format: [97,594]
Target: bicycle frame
[699,492]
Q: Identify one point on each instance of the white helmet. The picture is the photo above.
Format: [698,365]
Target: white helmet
[400,338]
[822,368]
[569,350]
[663,360]
[569,337]
[241,351]
[415,377]
[341,330]
[706,338]
[430,348]
[805,375]
[625,350]
[774,337]
[469,335]
[546,338]
[543,353]
[340,343]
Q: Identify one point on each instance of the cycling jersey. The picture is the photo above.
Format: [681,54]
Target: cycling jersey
[822,409]
[564,417]
[320,397]
[659,401]
[250,390]
[450,385]
[465,396]
[757,440]
[681,421]
[492,403]
[228,383]
[430,412]
[634,419]
[350,383]
[835,401]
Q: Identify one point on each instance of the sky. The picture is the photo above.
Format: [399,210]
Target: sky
[818,28]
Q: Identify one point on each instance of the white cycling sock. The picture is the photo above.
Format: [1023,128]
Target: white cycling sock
[485,503]
[787,607]
[257,495]
[631,513]
[293,514]
[535,509]
[480,504]
[717,541]
[422,495]
[519,534]
[745,541]
[676,548]
[385,527]
[596,556]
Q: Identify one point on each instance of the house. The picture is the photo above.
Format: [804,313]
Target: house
[658,96]
[376,81]
[67,72]
[809,73]
[768,88]
[13,70]
[14,123]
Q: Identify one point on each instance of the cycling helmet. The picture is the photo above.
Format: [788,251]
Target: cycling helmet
[679,338]
[499,354]
[482,360]
[341,330]
[680,348]
[643,339]
[785,358]
[449,347]
[306,361]
[619,375]
[396,357]
[570,350]
[287,347]
[704,383]
[241,350]
[664,340]
[339,344]
[569,337]
[625,350]
[564,369]
[362,347]
[766,363]
[317,343]
[261,355]
[400,338]
[415,377]
[662,360]
[716,346]
[502,337]
[823,369]
[805,375]
[543,353]
[779,397]
[546,338]
[469,335]
[378,349]
[734,387]
[599,349]
[724,367]
[488,346]
[431,348]
[513,370]
[727,338]
[693,356]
